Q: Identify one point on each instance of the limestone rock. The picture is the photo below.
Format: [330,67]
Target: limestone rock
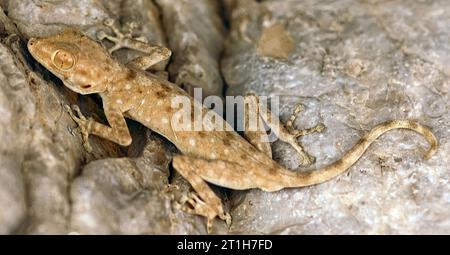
[44,18]
[39,154]
[17,107]
[353,65]
[196,38]
[44,157]
[130,195]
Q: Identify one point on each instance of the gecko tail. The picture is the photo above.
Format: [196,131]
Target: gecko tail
[351,157]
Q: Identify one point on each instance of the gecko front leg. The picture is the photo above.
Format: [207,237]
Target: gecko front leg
[117,131]
[155,54]
[83,124]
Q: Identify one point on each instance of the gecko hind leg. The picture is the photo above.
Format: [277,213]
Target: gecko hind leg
[258,138]
[204,202]
[193,204]
[287,133]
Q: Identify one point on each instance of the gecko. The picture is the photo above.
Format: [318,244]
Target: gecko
[223,158]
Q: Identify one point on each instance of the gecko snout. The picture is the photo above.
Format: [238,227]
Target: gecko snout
[31,42]
[32,45]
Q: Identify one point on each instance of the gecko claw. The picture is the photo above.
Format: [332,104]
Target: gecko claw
[76,108]
[227,218]
[130,27]
[319,128]
[308,160]
[108,22]
[101,35]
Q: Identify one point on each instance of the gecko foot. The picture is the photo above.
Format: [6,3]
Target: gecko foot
[193,204]
[287,133]
[120,39]
[82,122]
[294,134]
[319,128]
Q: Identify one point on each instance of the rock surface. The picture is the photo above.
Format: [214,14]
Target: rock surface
[353,64]
[352,69]
[196,38]
[46,172]
[43,18]
[129,196]
[13,127]
[38,155]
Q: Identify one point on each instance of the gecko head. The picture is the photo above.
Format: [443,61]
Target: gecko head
[80,62]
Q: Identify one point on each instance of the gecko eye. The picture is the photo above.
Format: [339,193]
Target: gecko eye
[63,59]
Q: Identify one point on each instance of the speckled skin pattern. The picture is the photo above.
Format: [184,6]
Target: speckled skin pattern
[223,158]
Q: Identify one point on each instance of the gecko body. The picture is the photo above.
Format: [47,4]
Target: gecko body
[223,158]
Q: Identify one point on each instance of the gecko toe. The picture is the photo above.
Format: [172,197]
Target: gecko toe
[108,22]
[87,146]
[227,218]
[141,39]
[320,128]
[193,204]
[101,35]
[307,160]
[121,38]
